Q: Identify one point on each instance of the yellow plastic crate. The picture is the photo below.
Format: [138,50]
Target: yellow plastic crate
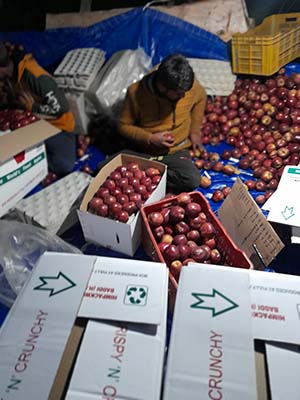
[266,48]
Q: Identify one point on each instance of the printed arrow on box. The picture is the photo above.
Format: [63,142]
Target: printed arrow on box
[216,302]
[59,284]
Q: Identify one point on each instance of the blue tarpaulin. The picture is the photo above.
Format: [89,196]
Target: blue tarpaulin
[159,34]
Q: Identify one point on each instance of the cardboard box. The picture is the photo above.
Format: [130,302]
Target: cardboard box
[23,162]
[41,337]
[113,368]
[55,207]
[121,237]
[219,312]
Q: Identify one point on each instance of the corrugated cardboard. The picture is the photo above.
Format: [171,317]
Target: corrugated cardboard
[21,172]
[112,368]
[40,341]
[121,237]
[224,310]
[23,138]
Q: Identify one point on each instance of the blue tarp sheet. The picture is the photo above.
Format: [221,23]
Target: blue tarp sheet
[159,34]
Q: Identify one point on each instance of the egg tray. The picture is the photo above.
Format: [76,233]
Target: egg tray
[79,68]
[52,208]
[215,76]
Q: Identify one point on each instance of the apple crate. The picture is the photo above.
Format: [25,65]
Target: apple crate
[263,50]
[231,254]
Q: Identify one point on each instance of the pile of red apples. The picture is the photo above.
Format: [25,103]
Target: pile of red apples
[124,191]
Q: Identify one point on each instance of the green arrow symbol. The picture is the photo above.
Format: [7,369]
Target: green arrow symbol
[59,283]
[288,212]
[216,302]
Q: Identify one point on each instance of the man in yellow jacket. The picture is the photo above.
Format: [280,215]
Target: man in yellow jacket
[162,116]
[32,88]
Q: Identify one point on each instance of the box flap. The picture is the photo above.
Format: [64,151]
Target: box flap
[211,354]
[283,368]
[110,359]
[284,208]
[37,328]
[125,290]
[248,227]
[20,139]
[275,309]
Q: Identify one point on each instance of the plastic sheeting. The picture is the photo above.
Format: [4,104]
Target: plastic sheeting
[159,34]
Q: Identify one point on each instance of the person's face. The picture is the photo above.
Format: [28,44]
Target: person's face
[6,72]
[170,94]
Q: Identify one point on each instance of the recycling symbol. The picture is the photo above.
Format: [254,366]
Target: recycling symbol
[136,295]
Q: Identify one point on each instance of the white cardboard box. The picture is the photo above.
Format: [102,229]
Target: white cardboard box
[127,362]
[121,237]
[23,162]
[40,340]
[55,207]
[219,312]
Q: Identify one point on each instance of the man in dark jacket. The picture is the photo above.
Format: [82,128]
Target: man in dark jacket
[29,86]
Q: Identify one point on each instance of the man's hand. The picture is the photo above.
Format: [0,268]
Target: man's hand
[196,141]
[25,100]
[162,139]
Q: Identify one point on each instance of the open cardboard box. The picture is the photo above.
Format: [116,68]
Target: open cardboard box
[121,237]
[82,328]
[23,162]
[220,314]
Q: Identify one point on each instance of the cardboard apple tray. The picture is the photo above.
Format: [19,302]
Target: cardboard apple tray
[233,256]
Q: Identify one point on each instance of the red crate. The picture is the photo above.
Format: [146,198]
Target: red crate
[233,256]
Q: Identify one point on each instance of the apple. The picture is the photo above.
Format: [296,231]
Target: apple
[109,199]
[101,192]
[171,253]
[102,210]
[150,172]
[205,182]
[199,254]
[180,239]
[207,230]
[193,235]
[130,207]
[192,209]
[177,213]
[183,199]
[181,227]
[175,268]
[158,232]
[217,196]
[215,256]
[133,166]
[114,209]
[167,238]
[94,203]
[155,219]
[122,198]
[184,251]
[210,242]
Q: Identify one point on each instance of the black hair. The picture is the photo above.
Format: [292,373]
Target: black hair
[175,73]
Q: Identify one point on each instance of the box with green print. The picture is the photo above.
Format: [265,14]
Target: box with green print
[23,162]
